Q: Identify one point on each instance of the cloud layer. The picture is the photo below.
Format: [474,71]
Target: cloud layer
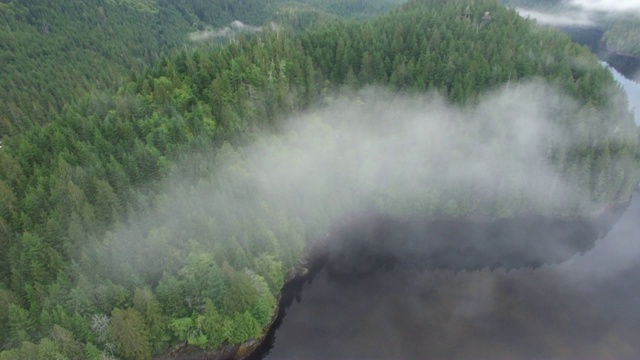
[557,19]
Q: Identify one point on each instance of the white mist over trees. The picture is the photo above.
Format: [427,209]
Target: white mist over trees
[177,206]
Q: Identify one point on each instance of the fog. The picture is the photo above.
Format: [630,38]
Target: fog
[374,152]
[558,19]
[234,28]
[583,308]
[379,152]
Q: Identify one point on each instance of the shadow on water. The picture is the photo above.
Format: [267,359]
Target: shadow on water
[389,288]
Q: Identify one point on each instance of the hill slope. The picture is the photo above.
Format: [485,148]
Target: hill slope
[52,54]
[170,211]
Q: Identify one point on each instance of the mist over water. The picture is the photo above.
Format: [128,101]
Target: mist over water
[583,308]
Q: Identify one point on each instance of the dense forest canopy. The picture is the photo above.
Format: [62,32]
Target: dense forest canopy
[50,54]
[170,211]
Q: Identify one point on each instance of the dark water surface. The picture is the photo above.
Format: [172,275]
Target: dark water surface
[585,307]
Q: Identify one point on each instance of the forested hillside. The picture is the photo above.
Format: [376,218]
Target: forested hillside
[144,218]
[52,53]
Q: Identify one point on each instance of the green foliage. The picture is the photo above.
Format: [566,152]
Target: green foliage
[90,231]
[130,334]
[28,351]
[271,270]
[6,300]
[21,325]
[91,352]
[65,341]
[184,329]
[242,326]
[145,302]
[50,54]
[212,326]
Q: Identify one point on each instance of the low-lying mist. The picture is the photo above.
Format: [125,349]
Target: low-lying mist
[367,153]
[421,156]
[582,308]
[577,18]
[235,28]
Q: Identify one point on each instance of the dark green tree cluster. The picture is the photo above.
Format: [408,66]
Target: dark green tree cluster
[49,54]
[100,261]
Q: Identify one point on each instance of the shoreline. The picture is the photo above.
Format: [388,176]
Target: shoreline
[316,256]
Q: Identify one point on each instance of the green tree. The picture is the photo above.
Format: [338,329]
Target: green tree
[130,334]
[213,325]
[21,325]
[145,302]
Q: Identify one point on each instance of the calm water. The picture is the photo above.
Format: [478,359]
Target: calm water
[587,307]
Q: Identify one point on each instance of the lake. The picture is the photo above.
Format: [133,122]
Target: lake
[585,307]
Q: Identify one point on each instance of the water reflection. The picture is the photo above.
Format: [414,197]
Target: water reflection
[584,308]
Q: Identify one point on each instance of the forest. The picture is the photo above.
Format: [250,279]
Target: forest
[137,216]
[51,54]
